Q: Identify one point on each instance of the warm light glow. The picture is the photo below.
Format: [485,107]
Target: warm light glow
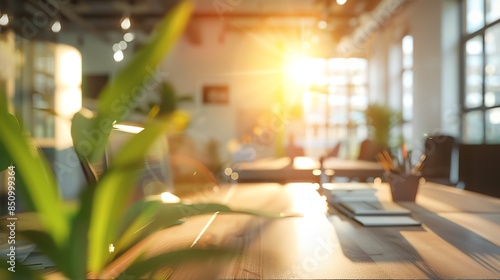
[341,2]
[329,172]
[167,197]
[235,176]
[125,24]
[228,171]
[322,24]
[70,68]
[128,37]
[316,172]
[315,39]
[56,26]
[70,102]
[111,248]
[128,128]
[4,19]
[118,56]
[307,71]
[306,45]
[68,93]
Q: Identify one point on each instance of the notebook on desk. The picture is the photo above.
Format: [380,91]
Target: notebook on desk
[365,208]
[378,221]
[377,213]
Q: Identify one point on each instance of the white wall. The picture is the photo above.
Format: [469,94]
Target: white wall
[249,63]
[434,26]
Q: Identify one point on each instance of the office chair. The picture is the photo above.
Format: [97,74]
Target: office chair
[368,150]
[438,164]
[478,168]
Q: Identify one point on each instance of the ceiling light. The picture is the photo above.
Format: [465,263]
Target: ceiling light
[322,24]
[125,24]
[116,47]
[128,37]
[341,2]
[56,26]
[4,19]
[118,56]
[122,45]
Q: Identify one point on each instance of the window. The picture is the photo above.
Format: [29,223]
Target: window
[407,86]
[335,102]
[481,70]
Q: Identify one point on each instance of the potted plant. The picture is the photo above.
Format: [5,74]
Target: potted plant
[381,120]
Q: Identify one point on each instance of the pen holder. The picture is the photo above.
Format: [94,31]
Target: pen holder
[404,187]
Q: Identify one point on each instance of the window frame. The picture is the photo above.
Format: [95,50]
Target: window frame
[482,109]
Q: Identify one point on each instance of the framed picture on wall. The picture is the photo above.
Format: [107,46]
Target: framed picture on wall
[215,94]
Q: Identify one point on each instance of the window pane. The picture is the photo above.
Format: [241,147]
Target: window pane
[492,68]
[473,127]
[359,100]
[473,72]
[492,10]
[314,107]
[407,45]
[493,126]
[407,96]
[475,15]
[492,98]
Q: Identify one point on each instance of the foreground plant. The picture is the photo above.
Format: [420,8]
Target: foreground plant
[78,239]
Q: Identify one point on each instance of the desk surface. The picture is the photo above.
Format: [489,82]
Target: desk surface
[285,169]
[458,237]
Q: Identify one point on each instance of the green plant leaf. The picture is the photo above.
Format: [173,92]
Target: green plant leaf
[39,188]
[77,246]
[141,267]
[120,95]
[21,272]
[5,158]
[116,186]
[46,244]
[157,215]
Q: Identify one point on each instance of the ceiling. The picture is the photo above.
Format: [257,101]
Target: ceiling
[103,16]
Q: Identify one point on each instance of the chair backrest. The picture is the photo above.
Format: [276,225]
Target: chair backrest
[335,151]
[439,151]
[478,168]
[368,150]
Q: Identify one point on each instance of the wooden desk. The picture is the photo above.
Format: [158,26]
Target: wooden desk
[302,169]
[263,170]
[351,168]
[458,237]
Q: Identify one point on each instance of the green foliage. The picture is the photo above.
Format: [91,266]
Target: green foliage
[381,120]
[168,101]
[77,239]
